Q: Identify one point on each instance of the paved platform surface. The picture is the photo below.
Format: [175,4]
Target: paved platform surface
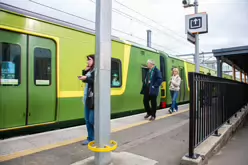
[235,151]
[164,140]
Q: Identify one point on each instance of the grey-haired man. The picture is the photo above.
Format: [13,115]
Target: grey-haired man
[150,89]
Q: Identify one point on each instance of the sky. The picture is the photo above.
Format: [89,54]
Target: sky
[227,21]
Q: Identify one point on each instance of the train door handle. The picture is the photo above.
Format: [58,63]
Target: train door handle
[29,114]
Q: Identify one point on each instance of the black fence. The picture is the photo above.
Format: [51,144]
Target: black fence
[213,101]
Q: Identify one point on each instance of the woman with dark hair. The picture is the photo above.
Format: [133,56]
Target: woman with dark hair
[88,78]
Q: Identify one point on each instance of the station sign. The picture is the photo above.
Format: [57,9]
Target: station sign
[196,23]
[191,38]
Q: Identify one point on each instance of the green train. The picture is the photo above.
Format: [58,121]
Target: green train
[41,59]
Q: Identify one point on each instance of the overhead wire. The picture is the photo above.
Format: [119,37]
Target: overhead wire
[153,43]
[145,23]
[93,22]
[138,20]
[174,32]
[149,19]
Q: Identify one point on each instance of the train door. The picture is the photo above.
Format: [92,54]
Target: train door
[41,80]
[28,82]
[182,85]
[163,85]
[13,95]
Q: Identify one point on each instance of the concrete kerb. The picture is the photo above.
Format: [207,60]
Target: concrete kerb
[213,144]
[121,158]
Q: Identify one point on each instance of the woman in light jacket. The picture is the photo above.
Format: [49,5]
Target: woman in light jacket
[174,89]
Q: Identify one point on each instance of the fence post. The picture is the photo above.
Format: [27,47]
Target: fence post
[216,133]
[192,115]
[228,122]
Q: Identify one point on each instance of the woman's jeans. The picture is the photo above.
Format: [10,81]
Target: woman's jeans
[174,96]
[89,119]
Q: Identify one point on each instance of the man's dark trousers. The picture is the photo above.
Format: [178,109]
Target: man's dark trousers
[151,111]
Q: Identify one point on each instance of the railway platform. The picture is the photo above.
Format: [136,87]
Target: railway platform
[235,151]
[164,141]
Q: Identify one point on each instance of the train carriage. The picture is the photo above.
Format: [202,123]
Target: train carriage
[43,58]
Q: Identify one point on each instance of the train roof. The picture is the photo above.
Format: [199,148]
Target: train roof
[175,57]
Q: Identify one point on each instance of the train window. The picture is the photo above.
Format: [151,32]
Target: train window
[42,67]
[10,62]
[173,67]
[162,67]
[116,76]
[144,72]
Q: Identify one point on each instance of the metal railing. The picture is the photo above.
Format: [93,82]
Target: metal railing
[213,101]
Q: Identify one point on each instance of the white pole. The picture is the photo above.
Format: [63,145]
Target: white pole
[197,61]
[102,79]
[149,38]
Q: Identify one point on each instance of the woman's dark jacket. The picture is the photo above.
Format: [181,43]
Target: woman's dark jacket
[90,81]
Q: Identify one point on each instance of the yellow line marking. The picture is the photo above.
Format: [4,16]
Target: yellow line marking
[67,142]
[32,151]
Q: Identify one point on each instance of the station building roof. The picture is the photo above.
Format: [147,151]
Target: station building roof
[237,56]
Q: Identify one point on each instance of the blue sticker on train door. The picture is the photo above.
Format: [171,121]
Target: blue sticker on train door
[8,70]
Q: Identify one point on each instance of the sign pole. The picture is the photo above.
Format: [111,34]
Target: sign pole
[197,61]
[195,24]
[102,79]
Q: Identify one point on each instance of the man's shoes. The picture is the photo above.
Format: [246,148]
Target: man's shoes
[170,111]
[146,116]
[152,119]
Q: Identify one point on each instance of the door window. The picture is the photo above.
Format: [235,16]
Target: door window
[162,67]
[144,72]
[42,67]
[10,60]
